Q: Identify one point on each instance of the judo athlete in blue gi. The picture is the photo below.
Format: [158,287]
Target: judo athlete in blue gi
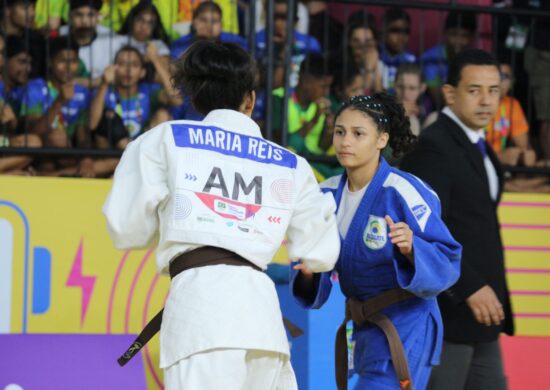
[396,254]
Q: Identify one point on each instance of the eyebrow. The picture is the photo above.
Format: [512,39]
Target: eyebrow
[481,86]
[352,127]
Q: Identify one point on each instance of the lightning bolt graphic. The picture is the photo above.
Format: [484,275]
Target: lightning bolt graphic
[86,283]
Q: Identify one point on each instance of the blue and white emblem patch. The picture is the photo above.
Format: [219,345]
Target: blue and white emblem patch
[376,233]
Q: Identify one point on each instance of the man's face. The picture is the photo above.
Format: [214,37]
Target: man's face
[316,87]
[408,87]
[476,97]
[18,68]
[397,36]
[22,15]
[83,21]
[457,39]
[279,24]
[64,65]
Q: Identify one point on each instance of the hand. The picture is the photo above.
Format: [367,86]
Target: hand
[402,236]
[371,59]
[109,74]
[7,114]
[151,53]
[486,307]
[66,92]
[303,268]
[411,108]
[86,168]
[323,105]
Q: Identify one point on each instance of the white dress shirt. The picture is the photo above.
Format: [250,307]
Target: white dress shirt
[474,136]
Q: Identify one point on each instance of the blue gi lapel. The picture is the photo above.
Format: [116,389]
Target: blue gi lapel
[359,220]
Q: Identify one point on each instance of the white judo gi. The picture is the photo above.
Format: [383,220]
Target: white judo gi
[218,182]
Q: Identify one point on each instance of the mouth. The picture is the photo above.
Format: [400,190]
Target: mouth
[345,154]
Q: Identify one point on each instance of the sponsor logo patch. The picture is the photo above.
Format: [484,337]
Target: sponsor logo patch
[376,233]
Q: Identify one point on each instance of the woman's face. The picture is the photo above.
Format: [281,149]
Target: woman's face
[143,26]
[208,24]
[361,39]
[357,140]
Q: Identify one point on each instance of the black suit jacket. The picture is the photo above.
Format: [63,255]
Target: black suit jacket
[453,166]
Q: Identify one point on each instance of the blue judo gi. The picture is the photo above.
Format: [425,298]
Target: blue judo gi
[370,264]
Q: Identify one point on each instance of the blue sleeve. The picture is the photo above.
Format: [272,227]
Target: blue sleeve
[436,253]
[322,288]
[33,102]
[313,45]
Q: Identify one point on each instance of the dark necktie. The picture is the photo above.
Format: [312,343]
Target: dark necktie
[482,146]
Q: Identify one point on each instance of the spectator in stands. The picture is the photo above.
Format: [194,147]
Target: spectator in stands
[409,91]
[142,27]
[363,51]
[348,82]
[303,43]
[50,14]
[396,30]
[308,108]
[206,24]
[537,65]
[98,44]
[17,70]
[8,122]
[508,132]
[324,27]
[57,108]
[122,92]
[18,19]
[458,34]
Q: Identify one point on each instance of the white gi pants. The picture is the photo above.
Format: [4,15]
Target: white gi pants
[231,369]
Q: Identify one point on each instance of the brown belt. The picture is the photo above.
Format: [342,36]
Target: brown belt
[200,257]
[363,312]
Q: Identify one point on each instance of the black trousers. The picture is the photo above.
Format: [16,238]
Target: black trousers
[473,366]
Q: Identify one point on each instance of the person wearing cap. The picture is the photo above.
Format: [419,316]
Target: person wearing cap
[18,20]
[98,45]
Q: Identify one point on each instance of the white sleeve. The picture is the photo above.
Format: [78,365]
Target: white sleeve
[313,233]
[139,187]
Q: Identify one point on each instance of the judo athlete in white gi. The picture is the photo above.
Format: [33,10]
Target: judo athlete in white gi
[218,183]
[393,239]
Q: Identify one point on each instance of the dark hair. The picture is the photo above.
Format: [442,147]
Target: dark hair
[361,19]
[207,6]
[392,14]
[15,45]
[294,10]
[468,57]
[410,68]
[11,3]
[61,43]
[95,4]
[130,49]
[314,65]
[389,117]
[215,75]
[344,75]
[463,20]
[142,7]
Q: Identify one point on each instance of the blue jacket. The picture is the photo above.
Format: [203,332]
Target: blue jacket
[370,264]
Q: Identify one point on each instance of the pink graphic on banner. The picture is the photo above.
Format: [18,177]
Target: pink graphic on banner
[77,279]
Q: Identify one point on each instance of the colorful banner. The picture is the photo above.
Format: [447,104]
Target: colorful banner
[60,274]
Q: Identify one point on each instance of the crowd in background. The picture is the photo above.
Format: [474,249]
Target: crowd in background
[93,74]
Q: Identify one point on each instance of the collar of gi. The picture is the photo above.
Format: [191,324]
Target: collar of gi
[234,121]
